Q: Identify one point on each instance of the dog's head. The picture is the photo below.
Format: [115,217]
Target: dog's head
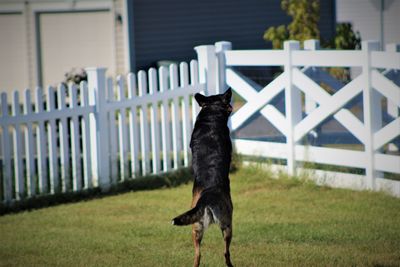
[219,102]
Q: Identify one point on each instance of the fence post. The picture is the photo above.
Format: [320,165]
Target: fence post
[220,48]
[292,105]
[372,111]
[6,162]
[310,104]
[392,109]
[98,121]
[207,67]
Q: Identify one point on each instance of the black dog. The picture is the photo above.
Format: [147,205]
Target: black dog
[211,149]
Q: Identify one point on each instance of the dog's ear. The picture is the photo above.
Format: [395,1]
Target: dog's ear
[226,97]
[201,99]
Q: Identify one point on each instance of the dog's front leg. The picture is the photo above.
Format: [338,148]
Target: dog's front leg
[197,236]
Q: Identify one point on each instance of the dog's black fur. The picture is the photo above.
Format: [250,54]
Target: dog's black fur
[211,150]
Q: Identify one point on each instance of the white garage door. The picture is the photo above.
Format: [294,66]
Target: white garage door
[74,40]
[13,50]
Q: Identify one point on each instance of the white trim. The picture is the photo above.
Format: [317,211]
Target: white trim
[12,7]
[37,7]
[126,37]
[114,41]
[60,6]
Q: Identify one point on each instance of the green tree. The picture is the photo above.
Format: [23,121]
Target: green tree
[304,24]
[346,38]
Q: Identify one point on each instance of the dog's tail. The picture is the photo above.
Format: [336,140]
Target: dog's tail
[189,217]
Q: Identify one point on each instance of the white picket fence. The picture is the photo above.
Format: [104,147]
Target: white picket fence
[99,133]
[104,132]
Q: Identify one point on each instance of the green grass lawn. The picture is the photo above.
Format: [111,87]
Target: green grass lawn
[284,222]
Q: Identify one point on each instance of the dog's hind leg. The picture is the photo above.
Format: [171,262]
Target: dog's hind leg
[227,234]
[197,236]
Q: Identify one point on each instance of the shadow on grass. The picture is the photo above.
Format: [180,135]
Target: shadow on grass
[150,182]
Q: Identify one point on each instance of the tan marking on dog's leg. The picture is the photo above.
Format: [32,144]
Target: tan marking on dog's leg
[227,233]
[197,236]
[195,198]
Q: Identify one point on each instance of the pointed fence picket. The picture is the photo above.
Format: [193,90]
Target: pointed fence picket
[154,122]
[165,120]
[41,143]
[175,118]
[133,126]
[74,134]
[87,178]
[186,129]
[122,131]
[113,134]
[194,81]
[64,148]
[144,123]
[29,141]
[6,159]
[17,145]
[52,142]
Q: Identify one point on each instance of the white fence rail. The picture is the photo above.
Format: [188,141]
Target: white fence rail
[106,131]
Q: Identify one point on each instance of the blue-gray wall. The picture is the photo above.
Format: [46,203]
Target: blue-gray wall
[168,30]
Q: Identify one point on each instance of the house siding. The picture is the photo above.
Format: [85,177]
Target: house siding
[30,33]
[168,30]
[84,39]
[120,52]
[365,18]
[13,49]
[391,23]
[30,76]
